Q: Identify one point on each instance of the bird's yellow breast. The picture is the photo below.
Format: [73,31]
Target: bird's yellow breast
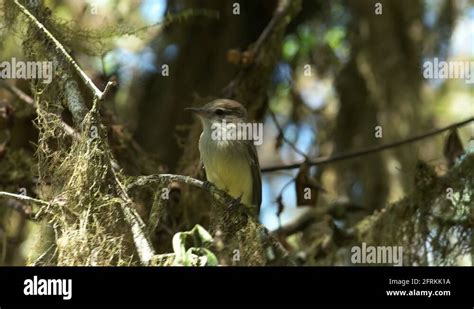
[227,167]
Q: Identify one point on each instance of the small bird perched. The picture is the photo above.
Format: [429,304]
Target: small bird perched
[231,164]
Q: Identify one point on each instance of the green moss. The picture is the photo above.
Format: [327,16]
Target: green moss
[434,224]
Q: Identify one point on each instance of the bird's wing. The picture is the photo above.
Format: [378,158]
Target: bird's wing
[256,176]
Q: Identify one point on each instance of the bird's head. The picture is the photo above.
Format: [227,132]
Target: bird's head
[219,110]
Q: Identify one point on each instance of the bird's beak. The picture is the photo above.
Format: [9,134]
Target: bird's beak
[197,110]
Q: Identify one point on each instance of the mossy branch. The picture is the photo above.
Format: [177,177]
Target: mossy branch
[79,110]
[60,48]
[142,243]
[220,196]
[267,251]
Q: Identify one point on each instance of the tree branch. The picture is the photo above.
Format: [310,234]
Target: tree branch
[87,81]
[142,243]
[362,152]
[265,239]
[281,11]
[29,100]
[24,198]
[284,9]
[221,196]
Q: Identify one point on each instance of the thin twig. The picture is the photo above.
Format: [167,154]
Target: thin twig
[20,94]
[40,258]
[107,88]
[281,11]
[30,101]
[24,198]
[362,152]
[285,139]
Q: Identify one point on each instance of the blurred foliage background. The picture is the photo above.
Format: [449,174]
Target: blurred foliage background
[322,85]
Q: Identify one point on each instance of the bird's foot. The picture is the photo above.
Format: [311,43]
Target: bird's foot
[234,202]
[229,200]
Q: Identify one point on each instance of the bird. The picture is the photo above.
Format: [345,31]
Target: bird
[230,161]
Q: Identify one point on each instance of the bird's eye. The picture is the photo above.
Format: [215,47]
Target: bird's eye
[219,112]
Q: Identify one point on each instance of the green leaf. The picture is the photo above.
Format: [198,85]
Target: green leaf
[200,257]
[179,248]
[197,254]
[201,234]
